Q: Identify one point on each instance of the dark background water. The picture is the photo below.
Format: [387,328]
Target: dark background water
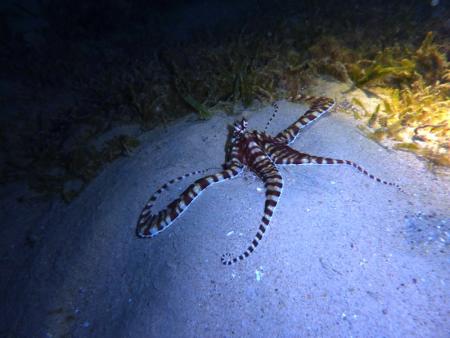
[53,29]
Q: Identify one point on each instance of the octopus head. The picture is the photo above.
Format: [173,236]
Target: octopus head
[240,127]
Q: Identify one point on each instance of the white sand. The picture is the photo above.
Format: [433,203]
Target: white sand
[340,258]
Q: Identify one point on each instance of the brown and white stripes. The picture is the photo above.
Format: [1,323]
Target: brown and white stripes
[262,154]
[150,225]
[318,107]
[255,158]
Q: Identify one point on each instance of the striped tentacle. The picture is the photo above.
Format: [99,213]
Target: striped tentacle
[319,106]
[286,155]
[274,185]
[275,111]
[233,151]
[150,225]
[233,155]
[327,160]
[165,186]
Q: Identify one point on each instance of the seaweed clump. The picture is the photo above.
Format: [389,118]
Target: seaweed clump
[417,115]
[265,59]
[398,66]
[417,119]
[414,87]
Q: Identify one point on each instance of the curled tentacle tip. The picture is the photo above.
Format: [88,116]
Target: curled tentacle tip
[226,259]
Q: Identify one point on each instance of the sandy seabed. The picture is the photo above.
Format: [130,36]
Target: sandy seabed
[344,255]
